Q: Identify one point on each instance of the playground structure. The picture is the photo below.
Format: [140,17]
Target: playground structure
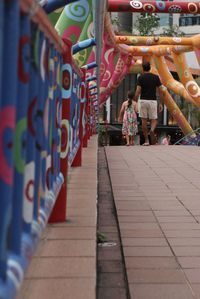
[52,82]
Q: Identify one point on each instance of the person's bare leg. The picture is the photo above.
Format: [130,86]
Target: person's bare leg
[153,124]
[131,140]
[144,130]
[127,139]
[152,134]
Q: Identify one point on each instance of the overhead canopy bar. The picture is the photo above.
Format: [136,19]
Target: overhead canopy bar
[155,40]
[153,6]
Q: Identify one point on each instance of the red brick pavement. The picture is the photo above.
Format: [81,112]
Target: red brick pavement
[157,196]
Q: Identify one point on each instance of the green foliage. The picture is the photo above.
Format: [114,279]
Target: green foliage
[101,238]
[115,21]
[146,24]
[101,134]
[172,31]
[101,129]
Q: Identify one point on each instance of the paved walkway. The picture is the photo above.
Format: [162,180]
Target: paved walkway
[64,266]
[157,196]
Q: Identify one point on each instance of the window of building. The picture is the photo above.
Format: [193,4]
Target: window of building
[189,20]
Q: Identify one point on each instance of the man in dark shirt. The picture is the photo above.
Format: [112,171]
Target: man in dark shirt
[147,86]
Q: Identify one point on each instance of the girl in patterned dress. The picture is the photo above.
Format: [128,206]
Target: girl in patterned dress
[128,113]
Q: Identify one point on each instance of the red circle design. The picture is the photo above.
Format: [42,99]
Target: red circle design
[28,186]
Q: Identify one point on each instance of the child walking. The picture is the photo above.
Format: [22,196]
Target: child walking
[128,115]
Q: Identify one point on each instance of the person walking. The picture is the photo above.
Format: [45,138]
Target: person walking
[147,86]
[128,113]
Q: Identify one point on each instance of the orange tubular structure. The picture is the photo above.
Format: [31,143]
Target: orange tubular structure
[193,41]
[176,112]
[169,81]
[172,107]
[186,77]
[157,40]
[158,50]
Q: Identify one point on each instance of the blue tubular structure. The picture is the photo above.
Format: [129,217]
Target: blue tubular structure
[90,66]
[52,5]
[83,45]
[58,112]
[40,52]
[74,116]
[29,172]
[26,143]
[54,113]
[7,125]
[91,78]
[50,119]
[21,131]
[94,93]
[1,40]
[92,87]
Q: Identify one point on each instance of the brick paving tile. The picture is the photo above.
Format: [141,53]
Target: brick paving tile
[161,197]
[176,219]
[137,219]
[193,275]
[147,251]
[151,263]
[141,233]
[160,291]
[189,262]
[195,212]
[72,233]
[61,267]
[126,186]
[189,199]
[184,241]
[81,221]
[134,213]
[130,198]
[132,205]
[155,276]
[196,289]
[176,213]
[144,242]
[67,248]
[142,225]
[77,288]
[76,211]
[182,233]
[180,226]
[165,205]
[187,250]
